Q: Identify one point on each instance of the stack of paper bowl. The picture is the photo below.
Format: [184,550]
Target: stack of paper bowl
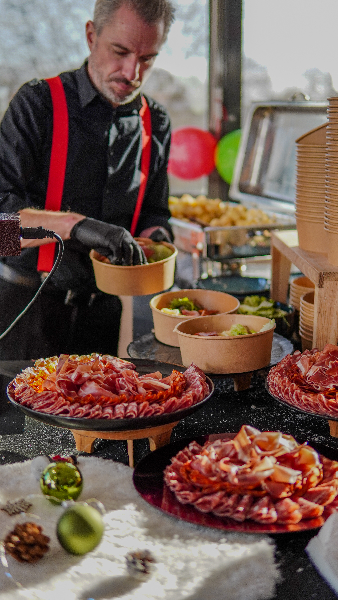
[310,190]
[299,287]
[306,317]
[331,185]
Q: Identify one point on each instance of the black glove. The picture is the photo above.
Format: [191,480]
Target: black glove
[160,235]
[110,240]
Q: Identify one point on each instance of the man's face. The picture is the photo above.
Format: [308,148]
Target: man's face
[122,55]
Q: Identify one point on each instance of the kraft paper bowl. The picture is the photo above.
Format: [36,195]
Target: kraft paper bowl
[137,280]
[164,324]
[220,354]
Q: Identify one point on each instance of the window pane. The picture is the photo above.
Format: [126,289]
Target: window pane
[55,41]
[289,47]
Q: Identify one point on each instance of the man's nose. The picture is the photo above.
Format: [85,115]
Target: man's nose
[131,68]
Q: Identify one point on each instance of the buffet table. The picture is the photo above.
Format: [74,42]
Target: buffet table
[227,411]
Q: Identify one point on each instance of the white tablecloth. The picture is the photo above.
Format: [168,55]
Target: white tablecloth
[191,561]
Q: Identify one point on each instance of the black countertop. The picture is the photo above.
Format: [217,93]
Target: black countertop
[22,438]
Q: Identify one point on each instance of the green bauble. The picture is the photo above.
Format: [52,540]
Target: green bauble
[80,529]
[61,481]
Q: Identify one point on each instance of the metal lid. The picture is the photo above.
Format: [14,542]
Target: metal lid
[265,170]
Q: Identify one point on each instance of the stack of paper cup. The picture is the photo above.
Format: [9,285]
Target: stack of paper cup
[331,181]
[306,318]
[299,287]
[310,190]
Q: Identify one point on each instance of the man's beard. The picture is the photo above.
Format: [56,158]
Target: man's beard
[114,98]
[109,94]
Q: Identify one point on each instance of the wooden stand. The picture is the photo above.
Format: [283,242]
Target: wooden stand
[158,436]
[333,428]
[241,381]
[285,251]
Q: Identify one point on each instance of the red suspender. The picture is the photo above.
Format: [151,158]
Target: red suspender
[58,161]
[145,161]
[57,167]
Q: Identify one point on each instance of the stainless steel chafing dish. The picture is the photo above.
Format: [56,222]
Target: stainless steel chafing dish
[264,177]
[226,243]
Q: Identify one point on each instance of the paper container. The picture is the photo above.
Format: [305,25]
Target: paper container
[299,287]
[164,324]
[314,137]
[306,344]
[305,326]
[219,354]
[138,280]
[311,236]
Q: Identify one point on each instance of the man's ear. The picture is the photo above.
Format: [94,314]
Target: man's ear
[90,34]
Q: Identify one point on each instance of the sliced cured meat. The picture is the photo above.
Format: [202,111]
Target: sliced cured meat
[263,511]
[308,380]
[209,502]
[65,385]
[227,505]
[131,411]
[309,510]
[322,494]
[243,507]
[267,477]
[288,511]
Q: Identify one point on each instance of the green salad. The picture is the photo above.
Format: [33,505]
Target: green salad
[260,307]
[183,303]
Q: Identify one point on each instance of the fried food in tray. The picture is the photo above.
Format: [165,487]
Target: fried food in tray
[215,213]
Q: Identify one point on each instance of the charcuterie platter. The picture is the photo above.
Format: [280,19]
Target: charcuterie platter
[153,472]
[307,411]
[143,368]
[307,381]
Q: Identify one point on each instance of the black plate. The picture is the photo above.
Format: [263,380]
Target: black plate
[149,483]
[143,367]
[313,413]
[236,285]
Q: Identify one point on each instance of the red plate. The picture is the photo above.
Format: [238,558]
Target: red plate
[149,483]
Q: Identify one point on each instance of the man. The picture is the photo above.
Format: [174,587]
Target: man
[101,183]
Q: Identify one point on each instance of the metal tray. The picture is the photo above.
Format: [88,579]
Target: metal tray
[225,243]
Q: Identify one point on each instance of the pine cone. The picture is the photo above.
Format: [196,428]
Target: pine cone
[26,542]
[140,564]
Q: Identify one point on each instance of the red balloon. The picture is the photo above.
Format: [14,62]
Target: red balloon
[192,153]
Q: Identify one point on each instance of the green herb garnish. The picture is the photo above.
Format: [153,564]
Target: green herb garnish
[183,303]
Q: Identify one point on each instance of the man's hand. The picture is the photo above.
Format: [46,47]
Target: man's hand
[157,234]
[110,240]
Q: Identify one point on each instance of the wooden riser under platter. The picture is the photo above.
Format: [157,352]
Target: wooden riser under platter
[158,436]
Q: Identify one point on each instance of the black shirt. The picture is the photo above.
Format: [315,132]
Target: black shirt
[103,165]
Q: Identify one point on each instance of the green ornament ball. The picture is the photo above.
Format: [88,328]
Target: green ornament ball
[226,154]
[80,529]
[61,481]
